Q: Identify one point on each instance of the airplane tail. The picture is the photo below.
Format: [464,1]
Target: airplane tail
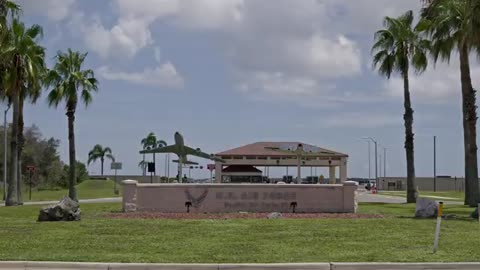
[188,162]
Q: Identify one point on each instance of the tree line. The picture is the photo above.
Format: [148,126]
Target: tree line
[42,153]
[24,75]
[444,28]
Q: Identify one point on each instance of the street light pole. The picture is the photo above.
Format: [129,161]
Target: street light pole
[376,162]
[434,163]
[369,162]
[5,134]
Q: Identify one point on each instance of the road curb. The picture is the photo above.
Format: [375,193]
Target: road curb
[405,266]
[24,265]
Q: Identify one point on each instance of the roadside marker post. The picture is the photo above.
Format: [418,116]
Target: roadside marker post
[437,230]
[31,171]
[115,166]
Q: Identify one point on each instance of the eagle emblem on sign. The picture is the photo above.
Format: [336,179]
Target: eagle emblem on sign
[196,201]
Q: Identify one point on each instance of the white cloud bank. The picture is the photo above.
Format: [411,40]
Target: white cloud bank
[165,76]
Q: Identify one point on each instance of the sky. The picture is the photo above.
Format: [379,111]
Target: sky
[226,73]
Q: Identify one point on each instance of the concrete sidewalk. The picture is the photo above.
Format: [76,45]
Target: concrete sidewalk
[297,266]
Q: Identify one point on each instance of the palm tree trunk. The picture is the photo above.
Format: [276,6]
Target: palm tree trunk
[165,169]
[101,161]
[144,167]
[472,192]
[12,187]
[409,145]
[21,143]
[72,193]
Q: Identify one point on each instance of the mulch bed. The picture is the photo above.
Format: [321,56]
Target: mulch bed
[156,215]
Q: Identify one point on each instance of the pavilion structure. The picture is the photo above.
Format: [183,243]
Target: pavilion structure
[280,154]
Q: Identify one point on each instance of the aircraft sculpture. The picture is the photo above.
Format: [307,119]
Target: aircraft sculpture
[182,151]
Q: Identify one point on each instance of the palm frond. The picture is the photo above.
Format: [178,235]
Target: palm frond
[111,157]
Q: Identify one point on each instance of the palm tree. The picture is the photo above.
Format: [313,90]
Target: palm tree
[98,152]
[397,47]
[8,9]
[453,25]
[31,92]
[70,83]
[22,76]
[151,142]
[143,165]
[147,144]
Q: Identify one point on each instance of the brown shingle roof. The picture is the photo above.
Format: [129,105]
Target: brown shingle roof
[278,149]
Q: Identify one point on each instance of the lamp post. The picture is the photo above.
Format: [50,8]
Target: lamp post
[376,156]
[5,134]
[434,163]
[369,162]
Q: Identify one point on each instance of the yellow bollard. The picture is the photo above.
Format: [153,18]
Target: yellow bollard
[437,230]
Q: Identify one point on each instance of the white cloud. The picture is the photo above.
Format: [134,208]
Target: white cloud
[278,84]
[164,75]
[194,14]
[289,50]
[125,39]
[55,10]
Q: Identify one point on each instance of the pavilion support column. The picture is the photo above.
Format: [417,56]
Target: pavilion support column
[299,171]
[332,177]
[218,172]
[343,170]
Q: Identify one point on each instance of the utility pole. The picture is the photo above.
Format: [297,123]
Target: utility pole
[384,162]
[369,163]
[380,165]
[434,163]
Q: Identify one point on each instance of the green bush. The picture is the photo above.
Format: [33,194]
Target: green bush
[81,173]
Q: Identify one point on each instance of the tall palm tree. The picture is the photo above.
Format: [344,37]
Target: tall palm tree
[98,152]
[71,83]
[30,92]
[397,47]
[24,68]
[453,26]
[8,12]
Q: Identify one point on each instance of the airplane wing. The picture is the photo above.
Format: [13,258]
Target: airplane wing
[199,153]
[165,149]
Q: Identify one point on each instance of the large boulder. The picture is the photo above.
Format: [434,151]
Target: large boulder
[426,208]
[475,213]
[66,210]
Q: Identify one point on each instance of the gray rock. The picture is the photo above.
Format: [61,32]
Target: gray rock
[475,213]
[66,210]
[426,208]
[274,215]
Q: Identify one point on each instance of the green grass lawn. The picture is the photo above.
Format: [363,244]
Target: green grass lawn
[89,189]
[448,196]
[396,238]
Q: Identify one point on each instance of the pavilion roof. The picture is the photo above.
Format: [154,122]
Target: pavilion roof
[279,149]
